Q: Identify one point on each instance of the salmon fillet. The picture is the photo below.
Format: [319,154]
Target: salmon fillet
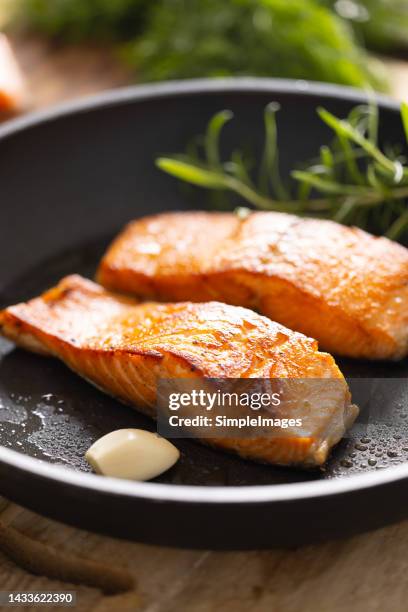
[340,285]
[125,348]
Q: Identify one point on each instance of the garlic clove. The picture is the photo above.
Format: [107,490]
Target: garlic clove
[133,454]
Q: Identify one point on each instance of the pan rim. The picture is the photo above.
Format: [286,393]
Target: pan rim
[175,88]
[158,492]
[248,494]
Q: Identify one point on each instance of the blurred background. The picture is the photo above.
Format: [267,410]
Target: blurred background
[56,50]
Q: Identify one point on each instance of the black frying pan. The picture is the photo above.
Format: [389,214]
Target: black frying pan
[70,178]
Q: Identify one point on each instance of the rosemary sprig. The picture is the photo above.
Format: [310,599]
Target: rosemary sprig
[352,180]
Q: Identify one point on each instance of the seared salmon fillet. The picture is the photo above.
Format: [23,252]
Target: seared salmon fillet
[340,285]
[124,348]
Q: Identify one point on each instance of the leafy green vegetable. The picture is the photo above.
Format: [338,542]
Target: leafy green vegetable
[76,20]
[164,39]
[298,39]
[352,181]
[381,24]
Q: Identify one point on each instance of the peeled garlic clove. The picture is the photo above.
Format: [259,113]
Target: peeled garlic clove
[134,454]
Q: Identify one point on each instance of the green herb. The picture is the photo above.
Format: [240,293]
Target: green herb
[165,39]
[382,25]
[281,38]
[77,20]
[352,181]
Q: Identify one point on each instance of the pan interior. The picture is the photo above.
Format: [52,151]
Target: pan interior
[48,412]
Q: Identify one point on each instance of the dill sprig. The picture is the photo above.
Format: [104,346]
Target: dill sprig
[352,180]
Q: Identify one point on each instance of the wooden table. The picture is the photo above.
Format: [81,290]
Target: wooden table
[367,573]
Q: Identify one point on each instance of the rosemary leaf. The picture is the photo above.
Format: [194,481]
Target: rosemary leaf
[212,136]
[352,181]
[345,129]
[190,173]
[404,116]
[269,172]
[399,226]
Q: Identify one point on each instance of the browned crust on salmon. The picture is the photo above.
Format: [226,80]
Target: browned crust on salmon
[124,348]
[340,285]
